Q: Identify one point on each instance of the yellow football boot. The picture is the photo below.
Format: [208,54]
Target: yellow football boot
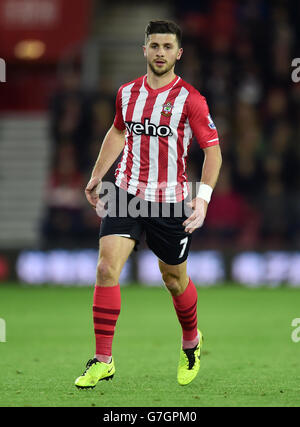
[189,363]
[95,371]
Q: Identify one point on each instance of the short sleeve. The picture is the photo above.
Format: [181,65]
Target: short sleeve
[119,121]
[201,122]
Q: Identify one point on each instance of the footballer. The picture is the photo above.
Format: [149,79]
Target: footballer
[157,116]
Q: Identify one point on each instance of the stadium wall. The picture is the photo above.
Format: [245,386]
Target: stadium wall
[61,267]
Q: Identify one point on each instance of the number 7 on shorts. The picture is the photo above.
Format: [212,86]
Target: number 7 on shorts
[184,243]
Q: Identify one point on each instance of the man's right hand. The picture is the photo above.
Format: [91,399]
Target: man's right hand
[92,191]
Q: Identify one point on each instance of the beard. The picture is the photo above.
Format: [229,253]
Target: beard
[161,71]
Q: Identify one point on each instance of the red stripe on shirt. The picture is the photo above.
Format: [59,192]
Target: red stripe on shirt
[163,153]
[135,92]
[144,149]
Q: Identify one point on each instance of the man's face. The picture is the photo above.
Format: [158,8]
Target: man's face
[162,52]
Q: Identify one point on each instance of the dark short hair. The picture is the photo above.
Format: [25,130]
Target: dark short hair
[163,27]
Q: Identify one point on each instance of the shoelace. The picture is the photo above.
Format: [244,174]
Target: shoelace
[190,354]
[89,364]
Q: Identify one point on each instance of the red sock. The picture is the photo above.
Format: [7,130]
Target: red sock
[186,310]
[106,310]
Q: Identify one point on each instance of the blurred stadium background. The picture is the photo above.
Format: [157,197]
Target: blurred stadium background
[64,63]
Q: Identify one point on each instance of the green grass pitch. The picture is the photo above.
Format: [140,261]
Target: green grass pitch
[248,359]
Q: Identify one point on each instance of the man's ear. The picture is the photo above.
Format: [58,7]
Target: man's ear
[180,52]
[144,50]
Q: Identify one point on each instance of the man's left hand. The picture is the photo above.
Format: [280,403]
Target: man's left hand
[196,220]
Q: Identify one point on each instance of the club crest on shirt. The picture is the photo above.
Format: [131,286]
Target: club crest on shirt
[167,109]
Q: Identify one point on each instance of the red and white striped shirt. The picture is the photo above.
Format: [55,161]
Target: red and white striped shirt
[160,125]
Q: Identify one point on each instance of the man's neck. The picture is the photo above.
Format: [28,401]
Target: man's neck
[156,82]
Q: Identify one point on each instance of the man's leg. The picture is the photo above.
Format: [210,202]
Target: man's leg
[113,254]
[184,296]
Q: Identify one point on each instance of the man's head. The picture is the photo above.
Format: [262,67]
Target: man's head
[162,46]
[163,27]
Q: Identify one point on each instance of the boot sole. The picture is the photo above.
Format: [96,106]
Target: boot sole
[93,386]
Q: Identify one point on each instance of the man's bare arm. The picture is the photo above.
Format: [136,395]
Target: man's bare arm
[112,146]
[211,166]
[210,173]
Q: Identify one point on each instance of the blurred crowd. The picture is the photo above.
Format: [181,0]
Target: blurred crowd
[238,54]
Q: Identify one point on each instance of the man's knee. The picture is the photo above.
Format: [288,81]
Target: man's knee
[172,282]
[107,274]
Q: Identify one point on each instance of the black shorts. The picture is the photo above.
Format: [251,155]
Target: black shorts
[161,222]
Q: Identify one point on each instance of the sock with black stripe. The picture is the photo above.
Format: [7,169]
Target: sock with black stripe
[186,310]
[106,310]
